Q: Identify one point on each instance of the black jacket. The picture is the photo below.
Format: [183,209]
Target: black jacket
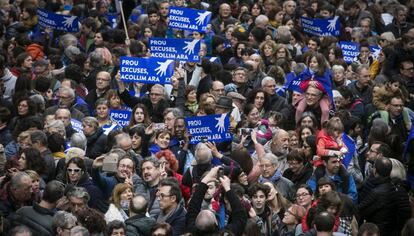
[381,204]
[139,225]
[301,178]
[177,221]
[238,215]
[96,144]
[276,103]
[156,113]
[35,217]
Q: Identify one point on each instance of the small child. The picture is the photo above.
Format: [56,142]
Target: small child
[317,68]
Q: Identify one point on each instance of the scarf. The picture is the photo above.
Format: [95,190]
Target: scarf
[272,179]
[162,217]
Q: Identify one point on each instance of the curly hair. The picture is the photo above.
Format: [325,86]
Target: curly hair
[170,157]
[92,220]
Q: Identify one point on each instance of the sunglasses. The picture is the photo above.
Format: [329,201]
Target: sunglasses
[73,170]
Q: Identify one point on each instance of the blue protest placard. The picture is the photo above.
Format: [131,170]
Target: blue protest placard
[113,19]
[175,49]
[375,51]
[120,116]
[350,50]
[77,125]
[214,128]
[146,70]
[321,27]
[55,21]
[188,19]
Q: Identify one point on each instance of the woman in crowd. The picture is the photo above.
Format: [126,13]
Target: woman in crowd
[30,159]
[95,135]
[259,99]
[119,203]
[76,175]
[139,116]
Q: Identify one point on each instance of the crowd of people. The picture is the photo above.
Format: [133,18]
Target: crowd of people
[320,145]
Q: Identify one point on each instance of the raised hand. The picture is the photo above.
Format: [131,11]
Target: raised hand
[332,23]
[220,123]
[189,48]
[162,69]
[201,17]
[69,21]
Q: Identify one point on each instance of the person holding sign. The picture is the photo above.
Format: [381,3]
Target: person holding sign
[102,115]
[156,102]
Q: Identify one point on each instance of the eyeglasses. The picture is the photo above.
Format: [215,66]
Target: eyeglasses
[73,170]
[397,105]
[126,167]
[314,95]
[302,195]
[162,195]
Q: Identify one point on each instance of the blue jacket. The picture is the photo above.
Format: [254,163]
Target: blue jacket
[352,191]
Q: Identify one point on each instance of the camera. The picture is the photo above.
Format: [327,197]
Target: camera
[245,131]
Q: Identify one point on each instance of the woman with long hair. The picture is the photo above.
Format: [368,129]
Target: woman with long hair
[119,203]
[139,116]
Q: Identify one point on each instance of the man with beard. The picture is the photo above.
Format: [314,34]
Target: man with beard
[259,193]
[344,182]
[279,146]
[151,174]
[377,150]
[125,173]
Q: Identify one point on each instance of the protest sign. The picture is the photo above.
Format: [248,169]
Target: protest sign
[188,19]
[321,27]
[76,125]
[214,128]
[175,49]
[375,51]
[120,116]
[55,21]
[350,50]
[146,70]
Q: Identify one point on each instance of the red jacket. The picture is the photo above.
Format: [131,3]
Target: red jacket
[325,143]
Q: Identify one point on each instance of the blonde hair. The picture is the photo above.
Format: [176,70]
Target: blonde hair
[116,193]
[334,124]
[23,135]
[33,174]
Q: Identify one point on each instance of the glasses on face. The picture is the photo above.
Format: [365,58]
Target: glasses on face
[265,166]
[312,95]
[126,167]
[162,195]
[397,105]
[302,195]
[76,170]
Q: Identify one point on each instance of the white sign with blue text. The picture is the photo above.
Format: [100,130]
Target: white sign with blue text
[188,19]
[120,116]
[213,128]
[47,19]
[146,70]
[175,49]
[321,27]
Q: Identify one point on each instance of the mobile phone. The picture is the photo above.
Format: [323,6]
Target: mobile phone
[220,173]
[159,126]
[245,131]
[110,163]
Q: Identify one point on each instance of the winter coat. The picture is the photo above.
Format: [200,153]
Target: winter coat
[9,81]
[114,213]
[177,221]
[301,178]
[96,144]
[139,225]
[381,203]
[35,217]
[324,144]
[276,103]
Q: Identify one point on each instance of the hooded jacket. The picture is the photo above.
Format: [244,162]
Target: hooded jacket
[9,81]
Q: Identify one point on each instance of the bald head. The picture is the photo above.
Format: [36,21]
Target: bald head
[206,221]
[138,205]
[63,114]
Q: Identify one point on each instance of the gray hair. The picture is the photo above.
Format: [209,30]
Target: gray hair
[153,160]
[16,180]
[63,110]
[206,151]
[79,229]
[260,19]
[74,152]
[175,111]
[58,124]
[63,219]
[79,192]
[21,229]
[357,30]
[361,67]
[285,3]
[267,79]
[96,59]
[338,68]
[38,136]
[68,40]
[67,90]
[271,157]
[90,120]
[78,140]
[398,170]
